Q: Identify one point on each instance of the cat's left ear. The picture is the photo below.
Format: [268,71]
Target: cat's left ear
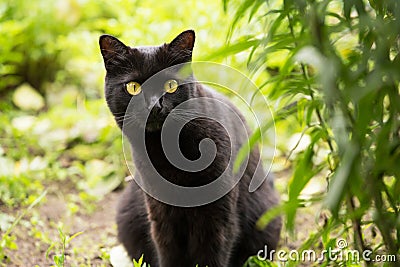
[112,49]
[183,42]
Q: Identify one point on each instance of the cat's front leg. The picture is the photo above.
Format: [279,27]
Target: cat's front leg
[211,248]
[202,236]
[215,243]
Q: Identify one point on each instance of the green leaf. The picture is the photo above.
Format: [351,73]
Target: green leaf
[240,12]
[256,262]
[59,260]
[256,5]
[72,237]
[272,213]
[232,49]
[340,179]
[139,262]
[49,249]
[244,151]
[256,136]
[34,203]
[225,5]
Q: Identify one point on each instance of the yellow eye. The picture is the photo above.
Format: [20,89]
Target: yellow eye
[133,88]
[170,86]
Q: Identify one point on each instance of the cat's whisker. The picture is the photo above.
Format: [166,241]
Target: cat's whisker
[124,120]
[187,118]
[126,116]
[129,123]
[190,113]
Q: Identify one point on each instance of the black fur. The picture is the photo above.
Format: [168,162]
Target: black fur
[218,234]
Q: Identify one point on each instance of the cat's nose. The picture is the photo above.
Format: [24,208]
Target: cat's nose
[153,103]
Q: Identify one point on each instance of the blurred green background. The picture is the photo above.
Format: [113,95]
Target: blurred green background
[330,71]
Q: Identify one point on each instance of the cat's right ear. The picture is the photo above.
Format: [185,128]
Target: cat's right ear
[112,50]
[182,47]
[184,41]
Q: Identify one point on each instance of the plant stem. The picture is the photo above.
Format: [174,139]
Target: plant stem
[358,239]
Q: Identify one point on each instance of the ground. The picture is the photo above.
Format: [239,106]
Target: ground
[99,234]
[92,247]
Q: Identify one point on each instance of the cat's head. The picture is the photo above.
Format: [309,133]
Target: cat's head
[130,79]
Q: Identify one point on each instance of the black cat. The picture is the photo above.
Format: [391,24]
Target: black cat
[218,234]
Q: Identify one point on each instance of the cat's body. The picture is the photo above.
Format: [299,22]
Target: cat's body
[219,234]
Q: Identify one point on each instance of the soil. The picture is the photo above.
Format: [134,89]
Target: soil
[98,233]
[38,230]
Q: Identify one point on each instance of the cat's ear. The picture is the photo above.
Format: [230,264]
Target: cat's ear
[112,49]
[184,41]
